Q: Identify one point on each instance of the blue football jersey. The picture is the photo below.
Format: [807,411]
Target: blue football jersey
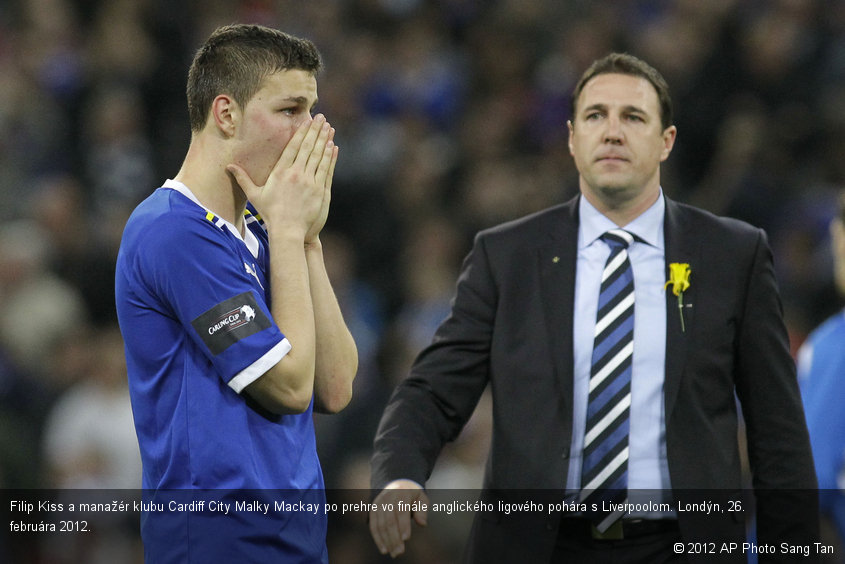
[821,373]
[194,308]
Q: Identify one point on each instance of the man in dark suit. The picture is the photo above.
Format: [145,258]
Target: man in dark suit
[544,313]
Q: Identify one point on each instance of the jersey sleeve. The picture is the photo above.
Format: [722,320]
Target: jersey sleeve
[193,268]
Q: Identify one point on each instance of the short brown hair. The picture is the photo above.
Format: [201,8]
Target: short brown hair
[623,63]
[235,59]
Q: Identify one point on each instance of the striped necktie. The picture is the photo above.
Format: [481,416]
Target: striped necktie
[604,473]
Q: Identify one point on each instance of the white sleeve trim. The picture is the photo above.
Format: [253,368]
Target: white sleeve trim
[252,372]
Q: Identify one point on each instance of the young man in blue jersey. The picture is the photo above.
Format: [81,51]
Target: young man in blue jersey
[821,373]
[233,333]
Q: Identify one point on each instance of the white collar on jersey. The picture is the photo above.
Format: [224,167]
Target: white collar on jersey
[248,238]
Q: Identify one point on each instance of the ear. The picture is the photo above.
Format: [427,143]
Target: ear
[571,131]
[669,135]
[225,113]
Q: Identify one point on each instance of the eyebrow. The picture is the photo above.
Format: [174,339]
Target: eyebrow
[301,100]
[627,109]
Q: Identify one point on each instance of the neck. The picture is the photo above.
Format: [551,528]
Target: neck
[212,185]
[622,211]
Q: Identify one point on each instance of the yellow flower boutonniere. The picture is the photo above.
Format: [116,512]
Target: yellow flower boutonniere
[679,273]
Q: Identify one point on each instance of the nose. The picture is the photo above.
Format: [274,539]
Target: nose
[613,134]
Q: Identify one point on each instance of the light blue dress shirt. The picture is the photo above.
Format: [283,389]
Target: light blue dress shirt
[647,463]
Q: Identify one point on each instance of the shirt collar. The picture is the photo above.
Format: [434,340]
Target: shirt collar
[248,238]
[648,226]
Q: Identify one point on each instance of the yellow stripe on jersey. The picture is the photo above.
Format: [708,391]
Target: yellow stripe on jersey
[248,213]
[209,216]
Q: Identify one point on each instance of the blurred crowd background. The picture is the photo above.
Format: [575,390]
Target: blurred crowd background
[450,117]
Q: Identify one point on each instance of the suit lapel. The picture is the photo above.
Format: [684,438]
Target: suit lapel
[556,262]
[557,258]
[681,246]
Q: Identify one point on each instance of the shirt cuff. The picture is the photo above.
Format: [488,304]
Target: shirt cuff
[257,369]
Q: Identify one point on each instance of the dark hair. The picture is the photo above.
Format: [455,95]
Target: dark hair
[623,63]
[235,59]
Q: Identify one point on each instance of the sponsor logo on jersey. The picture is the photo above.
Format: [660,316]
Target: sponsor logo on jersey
[252,272]
[230,321]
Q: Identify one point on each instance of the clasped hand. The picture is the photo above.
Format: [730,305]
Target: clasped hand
[297,192]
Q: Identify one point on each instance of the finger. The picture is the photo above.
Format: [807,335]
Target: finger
[291,150]
[379,524]
[389,532]
[243,180]
[399,532]
[385,530]
[330,175]
[319,150]
[375,531]
[421,518]
[325,170]
[304,151]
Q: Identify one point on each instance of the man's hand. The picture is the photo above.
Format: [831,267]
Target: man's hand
[293,202]
[323,176]
[298,190]
[390,529]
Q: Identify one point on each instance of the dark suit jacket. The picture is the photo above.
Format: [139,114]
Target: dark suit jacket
[511,327]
